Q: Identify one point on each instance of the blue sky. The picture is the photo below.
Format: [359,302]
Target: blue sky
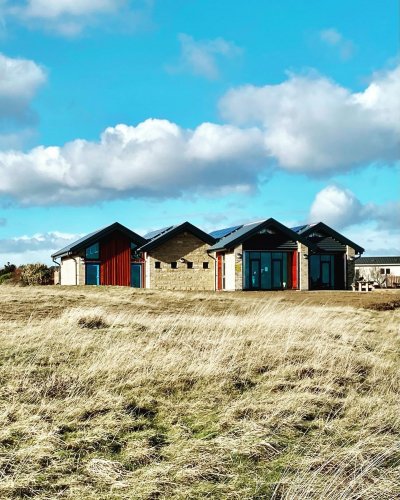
[152,112]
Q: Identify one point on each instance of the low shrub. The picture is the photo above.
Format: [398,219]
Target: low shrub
[35,274]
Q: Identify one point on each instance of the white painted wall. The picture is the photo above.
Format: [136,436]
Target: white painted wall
[230,271]
[367,271]
[68,271]
[147,272]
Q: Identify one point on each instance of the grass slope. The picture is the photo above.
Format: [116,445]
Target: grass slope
[112,393]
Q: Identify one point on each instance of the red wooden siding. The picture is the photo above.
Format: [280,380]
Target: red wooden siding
[115,256]
[294,270]
[219,272]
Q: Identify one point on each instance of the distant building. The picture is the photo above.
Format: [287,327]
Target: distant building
[385,270]
[262,255]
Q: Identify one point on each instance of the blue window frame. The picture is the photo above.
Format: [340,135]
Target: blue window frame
[265,270]
[93,252]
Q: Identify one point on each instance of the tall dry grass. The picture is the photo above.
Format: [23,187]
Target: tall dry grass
[207,398]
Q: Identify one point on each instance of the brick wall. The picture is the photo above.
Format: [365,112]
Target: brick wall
[190,248]
[238,267]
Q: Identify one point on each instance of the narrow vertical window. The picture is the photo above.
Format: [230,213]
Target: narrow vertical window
[157,264]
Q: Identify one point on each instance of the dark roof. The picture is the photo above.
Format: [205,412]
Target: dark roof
[377,261]
[310,228]
[162,237]
[220,233]
[92,238]
[247,230]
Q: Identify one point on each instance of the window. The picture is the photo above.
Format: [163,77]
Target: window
[387,271]
[134,253]
[157,264]
[382,271]
[189,265]
[174,265]
[92,252]
[205,265]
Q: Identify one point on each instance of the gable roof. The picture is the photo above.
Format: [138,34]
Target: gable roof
[247,230]
[372,261]
[163,236]
[306,230]
[92,238]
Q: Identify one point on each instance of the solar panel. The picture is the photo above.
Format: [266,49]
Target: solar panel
[297,229]
[157,232]
[220,233]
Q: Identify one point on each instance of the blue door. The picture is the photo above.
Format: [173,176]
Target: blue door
[92,274]
[136,275]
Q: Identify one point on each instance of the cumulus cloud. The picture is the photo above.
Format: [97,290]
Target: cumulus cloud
[71,17]
[335,39]
[201,57]
[34,248]
[20,79]
[375,227]
[305,124]
[156,158]
[314,125]
[339,207]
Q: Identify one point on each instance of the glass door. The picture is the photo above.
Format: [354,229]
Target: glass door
[136,275]
[277,273]
[92,274]
[255,268]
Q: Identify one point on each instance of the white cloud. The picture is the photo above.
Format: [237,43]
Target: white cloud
[33,248]
[305,124]
[155,158]
[201,57]
[314,125]
[375,227]
[20,80]
[334,38]
[70,17]
[336,207]
[339,207]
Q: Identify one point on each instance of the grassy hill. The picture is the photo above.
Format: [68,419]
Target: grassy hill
[113,393]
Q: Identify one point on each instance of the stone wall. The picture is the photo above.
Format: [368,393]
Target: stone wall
[303,264]
[183,246]
[238,267]
[350,267]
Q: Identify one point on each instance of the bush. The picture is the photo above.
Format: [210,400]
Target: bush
[7,269]
[5,277]
[35,274]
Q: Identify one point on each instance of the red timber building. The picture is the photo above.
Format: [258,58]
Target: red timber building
[263,255]
[108,256]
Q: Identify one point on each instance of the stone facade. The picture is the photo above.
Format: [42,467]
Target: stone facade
[183,246]
[238,267]
[303,263]
[350,267]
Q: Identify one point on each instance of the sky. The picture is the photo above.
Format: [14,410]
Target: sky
[153,112]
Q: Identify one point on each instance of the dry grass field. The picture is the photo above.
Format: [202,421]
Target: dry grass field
[113,393]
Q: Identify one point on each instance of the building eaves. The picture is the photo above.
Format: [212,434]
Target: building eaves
[93,237]
[337,236]
[379,261]
[174,231]
[248,230]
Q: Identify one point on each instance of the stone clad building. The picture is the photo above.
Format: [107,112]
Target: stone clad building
[263,255]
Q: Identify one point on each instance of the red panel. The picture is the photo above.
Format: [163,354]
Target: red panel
[115,256]
[219,269]
[294,270]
